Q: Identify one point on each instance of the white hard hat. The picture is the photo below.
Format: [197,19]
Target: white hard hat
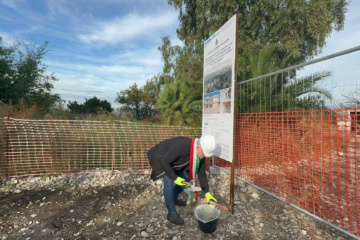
[208,144]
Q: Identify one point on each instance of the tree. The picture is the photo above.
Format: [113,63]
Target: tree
[296,28]
[75,107]
[139,102]
[180,62]
[23,76]
[92,105]
[180,103]
[151,92]
[352,98]
[7,71]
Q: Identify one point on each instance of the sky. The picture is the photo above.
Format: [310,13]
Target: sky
[99,48]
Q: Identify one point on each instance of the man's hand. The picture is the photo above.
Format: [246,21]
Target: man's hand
[210,197]
[180,181]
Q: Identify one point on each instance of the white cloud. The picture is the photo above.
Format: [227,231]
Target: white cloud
[126,28]
[10,4]
[67,9]
[85,80]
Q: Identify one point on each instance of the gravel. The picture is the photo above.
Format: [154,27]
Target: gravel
[103,204]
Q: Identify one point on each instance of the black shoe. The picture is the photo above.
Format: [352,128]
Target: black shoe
[180,203]
[175,219]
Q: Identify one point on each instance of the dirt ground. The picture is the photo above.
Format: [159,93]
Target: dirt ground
[132,207]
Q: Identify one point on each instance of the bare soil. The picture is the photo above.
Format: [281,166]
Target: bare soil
[133,208]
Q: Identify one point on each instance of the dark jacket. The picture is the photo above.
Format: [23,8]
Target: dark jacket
[174,154]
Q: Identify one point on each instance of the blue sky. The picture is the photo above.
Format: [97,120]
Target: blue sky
[99,48]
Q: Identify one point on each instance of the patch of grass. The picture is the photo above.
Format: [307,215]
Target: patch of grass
[65,186]
[45,176]
[7,186]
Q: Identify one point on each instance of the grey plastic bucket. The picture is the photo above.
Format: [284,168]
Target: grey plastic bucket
[207,216]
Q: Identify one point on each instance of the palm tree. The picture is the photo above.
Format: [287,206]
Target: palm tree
[181,103]
[278,92]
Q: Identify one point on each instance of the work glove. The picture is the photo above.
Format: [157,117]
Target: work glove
[180,181]
[210,197]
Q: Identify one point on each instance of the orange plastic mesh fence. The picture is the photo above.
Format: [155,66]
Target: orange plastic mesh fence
[58,146]
[308,158]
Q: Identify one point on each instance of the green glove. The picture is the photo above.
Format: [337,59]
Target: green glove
[180,181]
[210,197]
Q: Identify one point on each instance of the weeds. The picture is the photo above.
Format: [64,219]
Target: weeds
[45,176]
[7,187]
